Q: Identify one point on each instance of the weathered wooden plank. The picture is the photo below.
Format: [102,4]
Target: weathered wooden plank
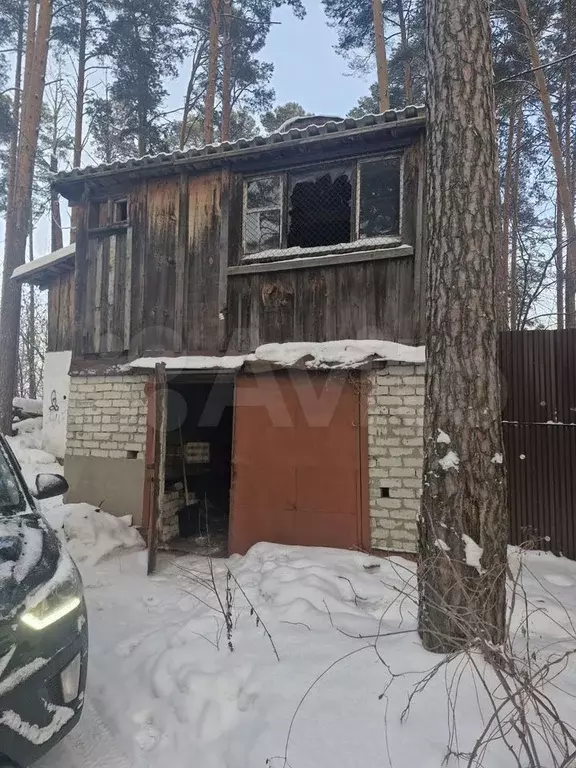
[128,288]
[389,320]
[81,276]
[277,307]
[223,257]
[235,222]
[111,294]
[100,249]
[181,258]
[312,317]
[160,280]
[406,331]
[310,262]
[201,323]
[138,215]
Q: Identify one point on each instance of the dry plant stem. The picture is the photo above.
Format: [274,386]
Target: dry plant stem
[254,612]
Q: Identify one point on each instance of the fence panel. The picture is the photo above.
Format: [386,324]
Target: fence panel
[539,422]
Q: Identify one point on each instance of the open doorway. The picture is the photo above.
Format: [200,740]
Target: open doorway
[198,472]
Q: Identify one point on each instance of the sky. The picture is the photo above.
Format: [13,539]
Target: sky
[306,67]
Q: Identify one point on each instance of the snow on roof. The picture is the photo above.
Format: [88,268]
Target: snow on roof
[50,260]
[346,353]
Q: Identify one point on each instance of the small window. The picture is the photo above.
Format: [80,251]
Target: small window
[263,214]
[320,208]
[379,197]
[352,205]
[120,211]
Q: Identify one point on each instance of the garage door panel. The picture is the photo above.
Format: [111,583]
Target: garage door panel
[298,484]
[327,490]
[252,487]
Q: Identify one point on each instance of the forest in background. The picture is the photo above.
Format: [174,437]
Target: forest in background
[110,65]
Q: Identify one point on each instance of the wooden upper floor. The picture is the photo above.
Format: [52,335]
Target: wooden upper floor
[312,235]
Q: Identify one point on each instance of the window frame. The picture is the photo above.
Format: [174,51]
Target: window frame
[246,211]
[111,225]
[285,175]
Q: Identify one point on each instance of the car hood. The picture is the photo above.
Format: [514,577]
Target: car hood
[30,553]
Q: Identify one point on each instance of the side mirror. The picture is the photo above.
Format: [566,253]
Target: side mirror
[48,486]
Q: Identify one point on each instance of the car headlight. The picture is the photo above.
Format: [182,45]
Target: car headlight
[58,603]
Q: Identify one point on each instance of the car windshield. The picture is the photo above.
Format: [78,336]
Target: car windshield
[11,497]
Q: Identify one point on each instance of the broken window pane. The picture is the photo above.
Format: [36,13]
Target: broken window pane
[320,208]
[263,193]
[262,220]
[379,197]
[262,231]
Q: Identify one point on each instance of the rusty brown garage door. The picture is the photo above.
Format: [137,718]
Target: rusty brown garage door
[298,461]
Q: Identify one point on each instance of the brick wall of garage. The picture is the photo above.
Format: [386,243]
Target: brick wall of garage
[395,452]
[106,442]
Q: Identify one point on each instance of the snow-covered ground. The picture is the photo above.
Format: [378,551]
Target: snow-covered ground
[288,657]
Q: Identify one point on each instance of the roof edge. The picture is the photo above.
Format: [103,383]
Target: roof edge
[413,115]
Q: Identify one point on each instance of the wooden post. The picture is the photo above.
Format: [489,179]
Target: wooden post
[159,464]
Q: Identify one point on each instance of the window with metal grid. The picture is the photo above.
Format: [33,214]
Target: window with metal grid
[349,205]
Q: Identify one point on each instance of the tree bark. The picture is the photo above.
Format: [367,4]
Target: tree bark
[56,239]
[212,72]
[463,523]
[381,59]
[18,216]
[227,71]
[79,112]
[404,40]
[559,261]
[559,167]
[13,160]
[31,336]
[505,253]
[515,221]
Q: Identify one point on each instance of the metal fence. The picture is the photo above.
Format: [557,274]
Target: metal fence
[539,421]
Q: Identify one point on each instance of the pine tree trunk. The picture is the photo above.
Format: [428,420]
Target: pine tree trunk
[381,59]
[13,160]
[56,238]
[212,72]
[559,266]
[568,136]
[227,71]
[18,216]
[504,272]
[463,525]
[31,336]
[515,217]
[559,167]
[404,40]
[79,112]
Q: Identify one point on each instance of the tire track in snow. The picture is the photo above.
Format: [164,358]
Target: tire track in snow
[90,745]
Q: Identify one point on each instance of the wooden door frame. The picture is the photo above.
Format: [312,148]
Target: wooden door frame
[155,460]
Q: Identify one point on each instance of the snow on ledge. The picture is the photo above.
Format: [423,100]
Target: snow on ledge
[44,261]
[343,354]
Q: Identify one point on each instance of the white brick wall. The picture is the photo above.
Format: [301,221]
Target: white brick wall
[107,416]
[395,451]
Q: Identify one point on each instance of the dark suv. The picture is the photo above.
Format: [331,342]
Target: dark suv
[43,629]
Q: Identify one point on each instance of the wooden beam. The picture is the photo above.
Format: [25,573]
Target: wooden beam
[309,262]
